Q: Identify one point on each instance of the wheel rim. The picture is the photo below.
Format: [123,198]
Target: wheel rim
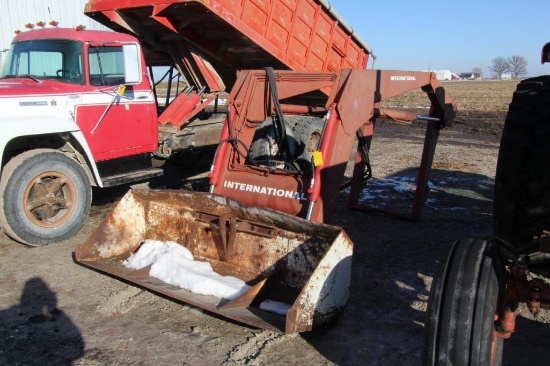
[49,199]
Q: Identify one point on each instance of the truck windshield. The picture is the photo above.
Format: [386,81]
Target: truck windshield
[45,59]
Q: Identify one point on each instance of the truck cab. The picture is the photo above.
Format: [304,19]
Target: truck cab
[78,111]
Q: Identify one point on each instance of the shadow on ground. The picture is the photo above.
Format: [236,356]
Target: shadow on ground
[394,262]
[36,323]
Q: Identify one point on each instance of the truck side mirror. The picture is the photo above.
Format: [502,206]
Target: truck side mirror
[132,64]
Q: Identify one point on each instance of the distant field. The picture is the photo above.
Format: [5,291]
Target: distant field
[482,104]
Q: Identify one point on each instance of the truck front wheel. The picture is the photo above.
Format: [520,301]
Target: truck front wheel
[45,197]
[307,131]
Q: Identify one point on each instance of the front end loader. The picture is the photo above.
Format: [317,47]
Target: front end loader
[276,175]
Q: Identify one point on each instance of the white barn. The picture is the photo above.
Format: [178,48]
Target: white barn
[441,74]
[15,14]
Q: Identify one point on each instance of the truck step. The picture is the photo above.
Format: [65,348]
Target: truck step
[134,176]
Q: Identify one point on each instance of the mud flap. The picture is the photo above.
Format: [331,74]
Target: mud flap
[303,264]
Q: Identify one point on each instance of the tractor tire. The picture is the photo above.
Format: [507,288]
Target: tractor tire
[307,132]
[522,183]
[45,197]
[264,148]
[463,300]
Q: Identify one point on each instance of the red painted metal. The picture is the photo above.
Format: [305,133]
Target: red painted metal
[216,170]
[535,293]
[428,151]
[507,323]
[130,126]
[183,108]
[244,34]
[301,109]
[209,41]
[72,34]
[326,150]
[352,104]
[396,115]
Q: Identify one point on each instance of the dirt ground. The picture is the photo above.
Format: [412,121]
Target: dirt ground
[53,311]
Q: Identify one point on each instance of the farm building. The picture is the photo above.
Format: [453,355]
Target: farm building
[506,76]
[16,14]
[441,74]
[470,75]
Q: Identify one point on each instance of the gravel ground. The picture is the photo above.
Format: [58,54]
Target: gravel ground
[53,311]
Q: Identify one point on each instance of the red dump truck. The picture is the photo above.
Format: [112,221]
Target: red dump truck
[80,108]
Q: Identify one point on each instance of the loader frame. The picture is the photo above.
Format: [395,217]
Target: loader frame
[261,237]
[351,108]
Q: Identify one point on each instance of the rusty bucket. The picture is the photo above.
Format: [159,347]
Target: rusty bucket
[305,266]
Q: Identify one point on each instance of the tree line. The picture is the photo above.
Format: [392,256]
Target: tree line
[515,65]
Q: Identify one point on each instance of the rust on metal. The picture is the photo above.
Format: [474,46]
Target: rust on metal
[304,264]
[519,288]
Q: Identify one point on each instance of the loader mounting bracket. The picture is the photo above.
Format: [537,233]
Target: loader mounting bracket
[229,227]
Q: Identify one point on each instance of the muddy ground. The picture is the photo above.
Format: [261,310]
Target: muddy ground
[53,311]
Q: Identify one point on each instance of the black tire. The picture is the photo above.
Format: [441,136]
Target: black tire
[264,148]
[464,298]
[522,183]
[45,197]
[307,132]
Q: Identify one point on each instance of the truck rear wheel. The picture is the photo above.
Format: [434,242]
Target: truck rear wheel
[461,310]
[307,132]
[264,148]
[522,183]
[45,197]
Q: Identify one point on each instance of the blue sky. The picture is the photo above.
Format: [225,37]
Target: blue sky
[453,35]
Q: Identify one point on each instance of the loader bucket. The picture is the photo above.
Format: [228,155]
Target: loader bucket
[282,259]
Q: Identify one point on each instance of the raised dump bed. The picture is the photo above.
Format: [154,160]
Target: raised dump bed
[209,41]
[223,36]
[301,266]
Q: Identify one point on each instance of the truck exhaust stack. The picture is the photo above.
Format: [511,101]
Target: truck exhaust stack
[303,264]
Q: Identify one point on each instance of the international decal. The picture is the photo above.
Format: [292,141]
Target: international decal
[33,104]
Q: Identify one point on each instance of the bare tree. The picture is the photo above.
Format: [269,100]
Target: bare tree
[499,66]
[477,71]
[518,66]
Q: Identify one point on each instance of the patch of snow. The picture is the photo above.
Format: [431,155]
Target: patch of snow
[174,264]
[220,102]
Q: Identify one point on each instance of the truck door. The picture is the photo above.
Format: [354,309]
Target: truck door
[118,120]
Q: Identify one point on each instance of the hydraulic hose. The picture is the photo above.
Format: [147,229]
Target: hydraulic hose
[279,120]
